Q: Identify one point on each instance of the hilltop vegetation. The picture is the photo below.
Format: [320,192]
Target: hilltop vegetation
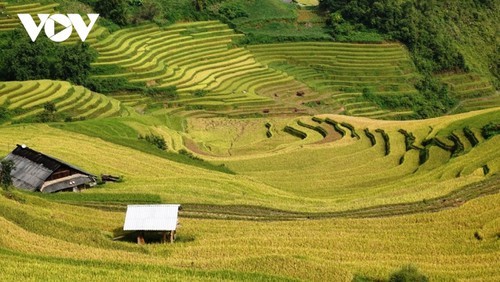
[453,36]
[22,59]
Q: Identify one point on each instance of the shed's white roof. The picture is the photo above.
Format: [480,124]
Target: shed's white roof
[151,217]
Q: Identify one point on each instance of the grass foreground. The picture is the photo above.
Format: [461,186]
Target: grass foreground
[377,212]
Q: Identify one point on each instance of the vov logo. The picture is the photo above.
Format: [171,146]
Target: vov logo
[48,22]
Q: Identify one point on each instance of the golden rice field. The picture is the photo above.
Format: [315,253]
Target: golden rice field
[26,100]
[221,236]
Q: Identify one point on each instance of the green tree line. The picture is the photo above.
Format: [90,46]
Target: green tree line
[22,59]
[419,24]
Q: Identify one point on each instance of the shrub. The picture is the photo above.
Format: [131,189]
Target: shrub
[190,155]
[402,160]
[50,107]
[438,143]
[156,140]
[295,132]
[488,131]
[338,26]
[137,3]
[387,141]
[408,274]
[486,169]
[458,148]
[22,59]
[432,48]
[48,114]
[317,119]
[313,104]
[200,93]
[5,114]
[435,100]
[107,85]
[318,129]
[352,129]
[269,134]
[166,93]
[423,155]
[6,168]
[115,10]
[409,139]
[336,126]
[470,136]
[194,107]
[370,136]
[478,236]
[232,10]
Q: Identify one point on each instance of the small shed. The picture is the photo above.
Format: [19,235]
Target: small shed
[35,171]
[152,218]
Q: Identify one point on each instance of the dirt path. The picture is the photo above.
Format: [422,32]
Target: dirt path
[451,200]
[191,145]
[331,137]
[257,213]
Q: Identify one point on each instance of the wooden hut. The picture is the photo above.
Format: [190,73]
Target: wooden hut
[152,218]
[35,171]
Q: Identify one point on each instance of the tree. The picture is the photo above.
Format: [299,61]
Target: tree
[7,166]
[4,114]
[332,5]
[50,107]
[338,26]
[22,59]
[76,62]
[115,10]
[199,4]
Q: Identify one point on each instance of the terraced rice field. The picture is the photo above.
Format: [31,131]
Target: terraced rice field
[27,100]
[191,57]
[270,79]
[349,166]
[9,20]
[468,85]
[359,211]
[482,102]
[200,57]
[344,70]
[276,181]
[474,91]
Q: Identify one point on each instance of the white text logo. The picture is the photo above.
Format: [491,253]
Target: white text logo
[48,22]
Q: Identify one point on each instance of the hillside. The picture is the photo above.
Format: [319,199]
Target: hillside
[331,193]
[449,89]
[305,140]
